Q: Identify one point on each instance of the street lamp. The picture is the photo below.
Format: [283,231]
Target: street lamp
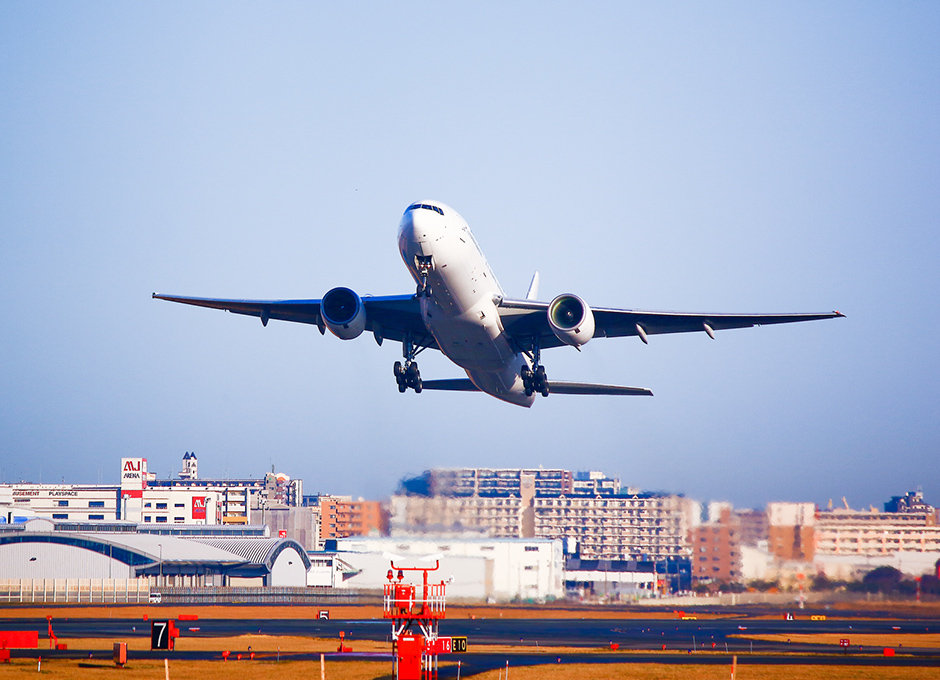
[160,545]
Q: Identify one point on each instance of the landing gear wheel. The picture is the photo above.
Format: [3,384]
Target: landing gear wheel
[399,370]
[418,386]
[534,380]
[402,387]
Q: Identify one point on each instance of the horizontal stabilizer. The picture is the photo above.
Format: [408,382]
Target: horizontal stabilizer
[454,385]
[556,387]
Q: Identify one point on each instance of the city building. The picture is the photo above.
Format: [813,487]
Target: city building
[190,467]
[645,526]
[595,483]
[909,526]
[499,517]
[342,517]
[716,548]
[490,482]
[141,497]
[791,531]
[529,503]
[753,526]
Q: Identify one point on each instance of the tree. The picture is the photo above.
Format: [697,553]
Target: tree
[882,580]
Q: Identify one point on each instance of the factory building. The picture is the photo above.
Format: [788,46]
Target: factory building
[477,568]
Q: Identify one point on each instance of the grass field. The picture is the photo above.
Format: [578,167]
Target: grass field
[371,670]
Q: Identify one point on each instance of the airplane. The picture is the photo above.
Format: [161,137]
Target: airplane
[460,309]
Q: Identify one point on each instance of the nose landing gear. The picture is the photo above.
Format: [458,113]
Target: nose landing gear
[424,265]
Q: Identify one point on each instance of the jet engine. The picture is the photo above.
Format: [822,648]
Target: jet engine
[571,320]
[343,313]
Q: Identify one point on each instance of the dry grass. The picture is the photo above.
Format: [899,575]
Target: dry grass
[931,640]
[240,643]
[371,670]
[692,672]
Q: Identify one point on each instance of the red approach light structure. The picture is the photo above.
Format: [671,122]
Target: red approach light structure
[415,640]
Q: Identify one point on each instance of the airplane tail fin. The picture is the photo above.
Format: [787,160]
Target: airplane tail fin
[533,293]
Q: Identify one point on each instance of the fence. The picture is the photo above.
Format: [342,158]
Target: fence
[75,590]
[265,595]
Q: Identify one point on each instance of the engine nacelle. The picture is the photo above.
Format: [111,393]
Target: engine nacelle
[571,320]
[343,313]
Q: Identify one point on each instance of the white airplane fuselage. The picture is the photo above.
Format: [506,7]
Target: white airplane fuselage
[460,310]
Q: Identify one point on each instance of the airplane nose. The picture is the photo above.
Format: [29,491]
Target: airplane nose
[414,227]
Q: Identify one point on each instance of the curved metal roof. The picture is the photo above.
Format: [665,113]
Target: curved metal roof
[256,550]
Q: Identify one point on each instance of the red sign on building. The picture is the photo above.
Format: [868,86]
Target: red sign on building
[199,507]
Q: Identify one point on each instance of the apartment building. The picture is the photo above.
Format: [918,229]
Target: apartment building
[528,503]
[791,531]
[342,517]
[634,527]
[716,548]
[498,517]
[873,533]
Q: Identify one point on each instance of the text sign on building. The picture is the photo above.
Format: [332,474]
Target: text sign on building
[133,476]
[199,507]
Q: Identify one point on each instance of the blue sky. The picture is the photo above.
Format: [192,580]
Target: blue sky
[737,157]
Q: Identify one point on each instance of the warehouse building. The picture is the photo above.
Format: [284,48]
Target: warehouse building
[43,549]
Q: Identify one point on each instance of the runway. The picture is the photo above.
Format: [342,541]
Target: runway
[712,641]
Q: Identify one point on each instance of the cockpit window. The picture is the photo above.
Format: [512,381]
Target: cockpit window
[424,206]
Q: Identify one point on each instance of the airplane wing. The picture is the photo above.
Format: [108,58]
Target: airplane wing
[389,317]
[554,386]
[526,319]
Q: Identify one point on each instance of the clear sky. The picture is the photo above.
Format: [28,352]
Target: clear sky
[735,157]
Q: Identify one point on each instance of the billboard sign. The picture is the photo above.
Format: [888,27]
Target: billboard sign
[133,476]
[199,507]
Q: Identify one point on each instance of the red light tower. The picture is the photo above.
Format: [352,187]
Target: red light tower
[415,655]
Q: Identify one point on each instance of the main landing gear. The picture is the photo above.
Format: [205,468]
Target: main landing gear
[534,379]
[407,374]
